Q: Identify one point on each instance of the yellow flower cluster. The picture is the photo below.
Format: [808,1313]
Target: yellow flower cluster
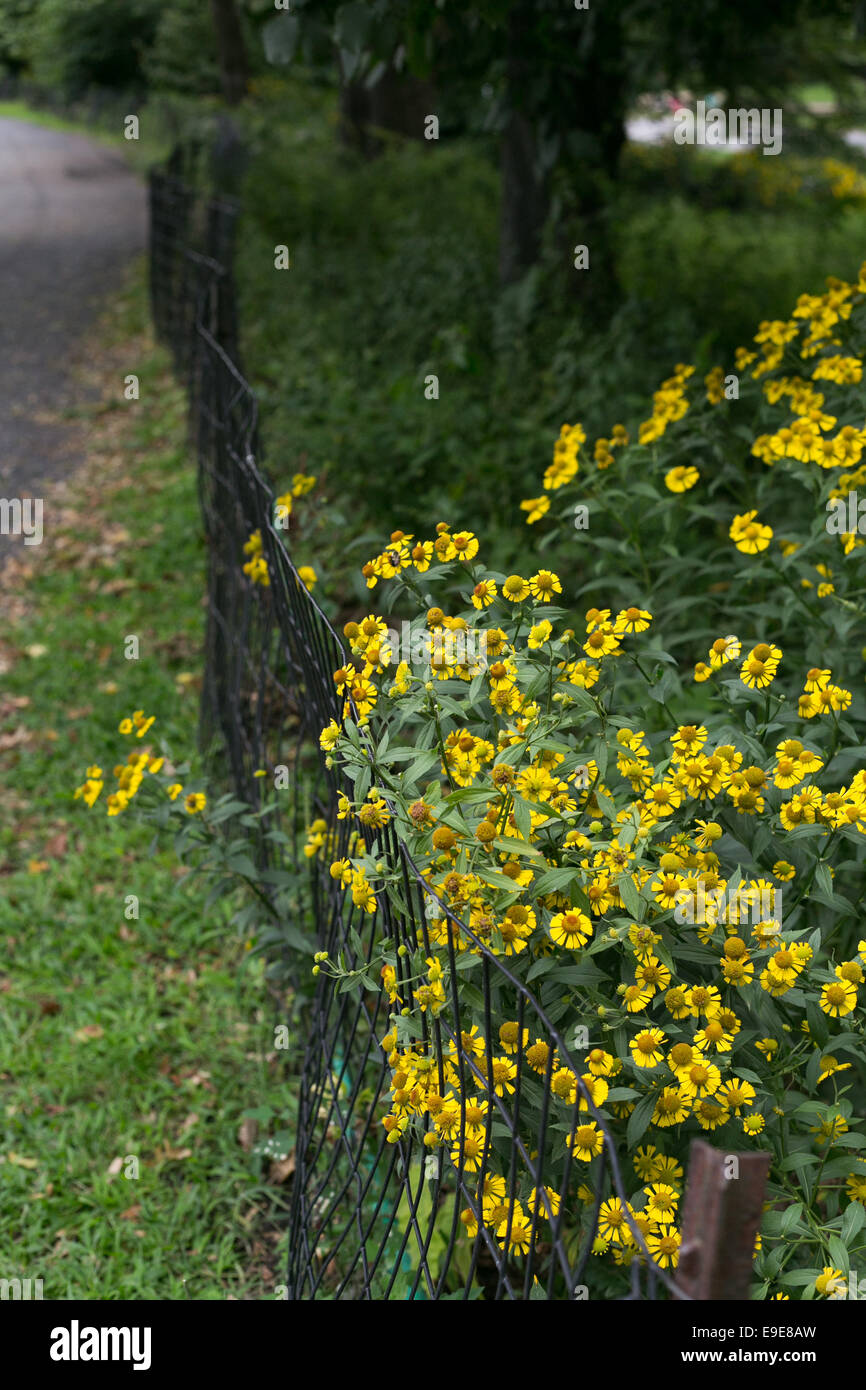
[565,451]
[256,567]
[546,846]
[130,775]
[460,1121]
[402,554]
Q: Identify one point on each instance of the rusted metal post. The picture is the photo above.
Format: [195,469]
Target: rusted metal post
[721,1216]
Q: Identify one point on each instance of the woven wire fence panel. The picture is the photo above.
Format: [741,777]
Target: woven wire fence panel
[434,1159]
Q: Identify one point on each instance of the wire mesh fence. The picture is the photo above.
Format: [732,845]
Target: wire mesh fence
[434,1157]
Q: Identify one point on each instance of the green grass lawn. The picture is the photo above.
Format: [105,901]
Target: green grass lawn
[122,1038]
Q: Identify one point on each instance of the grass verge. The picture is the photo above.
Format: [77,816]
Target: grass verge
[131,1048]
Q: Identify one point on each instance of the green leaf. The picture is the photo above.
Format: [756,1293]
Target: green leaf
[823,880]
[422,765]
[850,1141]
[465,963]
[606,805]
[496,879]
[523,818]
[632,899]
[638,1120]
[853,1222]
[555,880]
[838,1253]
[797,1162]
[540,967]
[511,846]
[296,938]
[798,1277]
[790,1217]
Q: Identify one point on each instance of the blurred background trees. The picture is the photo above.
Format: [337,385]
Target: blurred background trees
[455,255]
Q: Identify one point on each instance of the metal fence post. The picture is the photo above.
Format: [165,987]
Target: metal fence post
[721,1216]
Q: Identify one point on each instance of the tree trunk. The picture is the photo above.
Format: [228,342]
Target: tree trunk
[398,102]
[524,201]
[525,198]
[231,51]
[596,117]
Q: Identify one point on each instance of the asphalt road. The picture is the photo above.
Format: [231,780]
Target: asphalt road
[71,218]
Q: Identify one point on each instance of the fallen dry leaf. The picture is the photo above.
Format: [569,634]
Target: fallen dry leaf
[10,703]
[247,1134]
[18,737]
[57,846]
[281,1169]
[131,1213]
[199,1078]
[90,1030]
[114,1167]
[19,1161]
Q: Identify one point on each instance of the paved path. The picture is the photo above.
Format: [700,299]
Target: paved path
[71,218]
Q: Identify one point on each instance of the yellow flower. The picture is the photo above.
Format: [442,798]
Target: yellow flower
[831,1282]
[632,620]
[515,589]
[664,1246]
[571,928]
[484,593]
[749,535]
[838,998]
[760,666]
[308,577]
[174,791]
[646,1047]
[725,649]
[537,507]
[588,1142]
[465,544]
[681,479]
[329,735]
[544,585]
[612,1223]
[195,802]
[829,1067]
[539,634]
[516,1235]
